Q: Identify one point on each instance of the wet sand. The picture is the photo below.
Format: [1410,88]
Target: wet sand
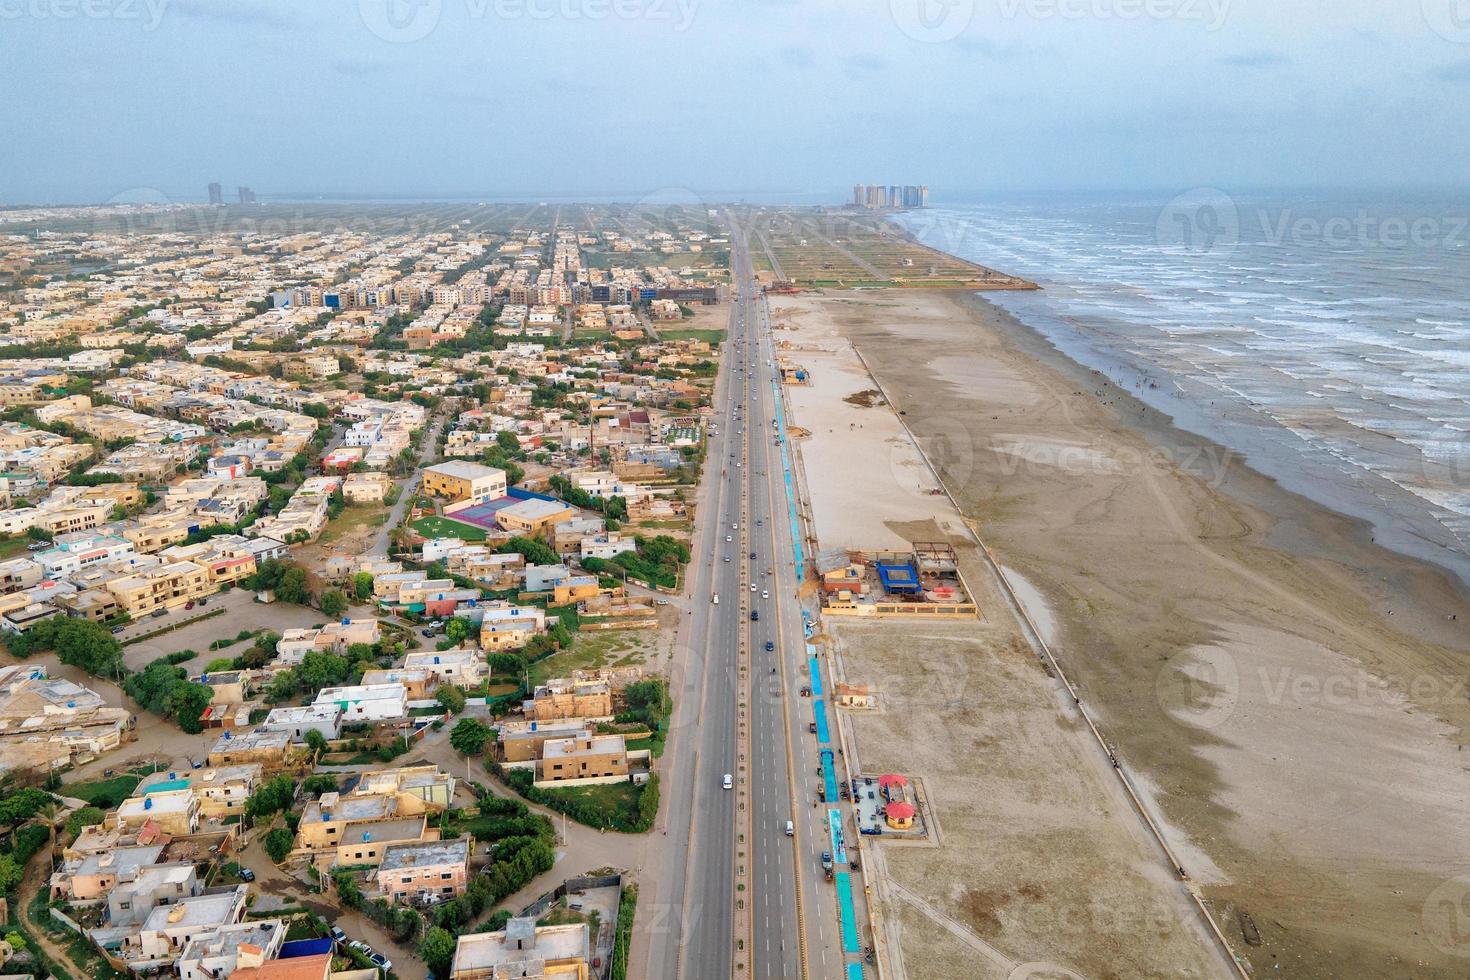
[1290,694]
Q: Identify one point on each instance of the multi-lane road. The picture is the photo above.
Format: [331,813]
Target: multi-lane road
[744,553]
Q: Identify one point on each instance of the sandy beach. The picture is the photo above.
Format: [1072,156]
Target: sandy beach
[1289,694]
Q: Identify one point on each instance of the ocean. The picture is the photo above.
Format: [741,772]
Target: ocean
[1323,337]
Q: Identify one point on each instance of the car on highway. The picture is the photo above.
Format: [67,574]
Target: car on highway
[729,782]
[765,594]
[728,538]
[770,646]
[790,829]
[755,614]
[752,588]
[727,557]
[752,556]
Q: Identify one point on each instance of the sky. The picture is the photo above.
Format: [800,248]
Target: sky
[774,100]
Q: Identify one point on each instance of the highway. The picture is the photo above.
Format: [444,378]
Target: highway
[743,511]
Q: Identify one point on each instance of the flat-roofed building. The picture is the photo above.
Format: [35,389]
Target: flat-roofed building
[524,949]
[297,720]
[584,757]
[169,806]
[251,745]
[429,871]
[463,480]
[361,703]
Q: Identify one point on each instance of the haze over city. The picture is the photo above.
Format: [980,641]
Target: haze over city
[769,98]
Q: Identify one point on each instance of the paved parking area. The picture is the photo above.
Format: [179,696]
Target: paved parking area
[241,612]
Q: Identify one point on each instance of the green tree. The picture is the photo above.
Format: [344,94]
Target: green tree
[15,941]
[452,698]
[318,783]
[292,587]
[457,629]
[10,873]
[277,843]
[317,742]
[362,586]
[469,736]
[86,817]
[270,797]
[534,551]
[334,603]
[437,951]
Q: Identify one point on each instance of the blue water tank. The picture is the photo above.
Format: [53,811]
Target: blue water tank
[147,802]
[367,836]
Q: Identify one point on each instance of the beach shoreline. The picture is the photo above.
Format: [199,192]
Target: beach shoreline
[1258,658]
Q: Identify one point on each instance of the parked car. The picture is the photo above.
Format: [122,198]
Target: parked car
[381,962]
[247,875]
[338,936]
[158,612]
[360,946]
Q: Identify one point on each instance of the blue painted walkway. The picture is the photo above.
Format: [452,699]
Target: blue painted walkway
[839,843]
[788,479]
[845,910]
[816,670]
[819,711]
[829,776]
[854,971]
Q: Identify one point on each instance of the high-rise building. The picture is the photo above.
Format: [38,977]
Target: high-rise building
[216,193]
[247,196]
[877,196]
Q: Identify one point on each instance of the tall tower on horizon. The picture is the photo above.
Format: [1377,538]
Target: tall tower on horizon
[247,196]
[216,193]
[859,195]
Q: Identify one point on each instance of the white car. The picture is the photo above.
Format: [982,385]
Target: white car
[764,593]
[729,781]
[728,538]
[752,588]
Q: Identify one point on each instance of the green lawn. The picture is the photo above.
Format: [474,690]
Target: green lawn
[445,527]
[10,547]
[105,793]
[589,652]
[613,799]
[712,337]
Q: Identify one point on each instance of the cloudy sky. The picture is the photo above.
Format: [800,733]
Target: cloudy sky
[772,99]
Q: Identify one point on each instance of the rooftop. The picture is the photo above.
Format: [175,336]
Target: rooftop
[426,853]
